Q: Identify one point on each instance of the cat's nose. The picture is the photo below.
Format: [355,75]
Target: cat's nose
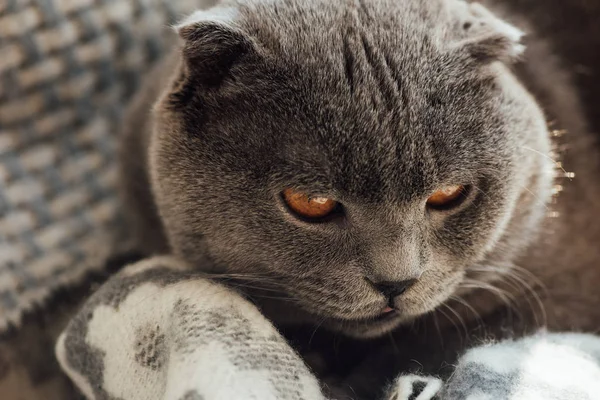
[394,289]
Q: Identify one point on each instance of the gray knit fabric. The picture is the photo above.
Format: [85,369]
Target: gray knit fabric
[67,69]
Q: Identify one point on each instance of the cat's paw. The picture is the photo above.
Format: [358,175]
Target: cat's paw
[414,387]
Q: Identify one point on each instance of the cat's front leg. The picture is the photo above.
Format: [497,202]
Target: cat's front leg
[158,330]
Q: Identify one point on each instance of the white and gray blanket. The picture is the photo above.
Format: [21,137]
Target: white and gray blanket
[157,331]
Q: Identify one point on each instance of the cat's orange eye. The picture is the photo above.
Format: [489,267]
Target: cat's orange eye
[447,196]
[307,206]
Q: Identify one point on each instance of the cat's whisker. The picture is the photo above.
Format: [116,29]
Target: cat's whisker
[569,175]
[255,287]
[469,307]
[315,330]
[483,192]
[536,197]
[451,320]
[508,299]
[533,277]
[262,280]
[261,296]
[510,274]
[240,277]
[336,345]
[516,286]
[253,296]
[393,342]
[536,297]
[459,317]
[437,327]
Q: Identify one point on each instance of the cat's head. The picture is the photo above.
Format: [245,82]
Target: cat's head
[353,154]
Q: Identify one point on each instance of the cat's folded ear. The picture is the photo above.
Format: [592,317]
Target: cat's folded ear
[482,36]
[213,44]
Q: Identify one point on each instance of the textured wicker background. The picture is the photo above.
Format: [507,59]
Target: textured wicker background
[67,68]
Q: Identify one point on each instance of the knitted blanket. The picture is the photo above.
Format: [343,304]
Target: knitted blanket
[67,69]
[157,331]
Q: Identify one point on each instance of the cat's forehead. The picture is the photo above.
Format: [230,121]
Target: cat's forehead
[376,66]
[415,38]
[367,96]
[316,30]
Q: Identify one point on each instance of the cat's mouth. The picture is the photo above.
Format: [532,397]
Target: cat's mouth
[284,313]
[388,313]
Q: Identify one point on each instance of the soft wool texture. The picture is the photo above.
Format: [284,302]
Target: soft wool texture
[67,71]
[157,331]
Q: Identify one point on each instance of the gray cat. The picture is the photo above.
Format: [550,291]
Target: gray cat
[365,165]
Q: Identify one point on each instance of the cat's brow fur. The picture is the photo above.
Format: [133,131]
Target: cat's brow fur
[376,103]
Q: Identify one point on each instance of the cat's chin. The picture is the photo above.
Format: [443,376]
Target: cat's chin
[368,328]
[286,314]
